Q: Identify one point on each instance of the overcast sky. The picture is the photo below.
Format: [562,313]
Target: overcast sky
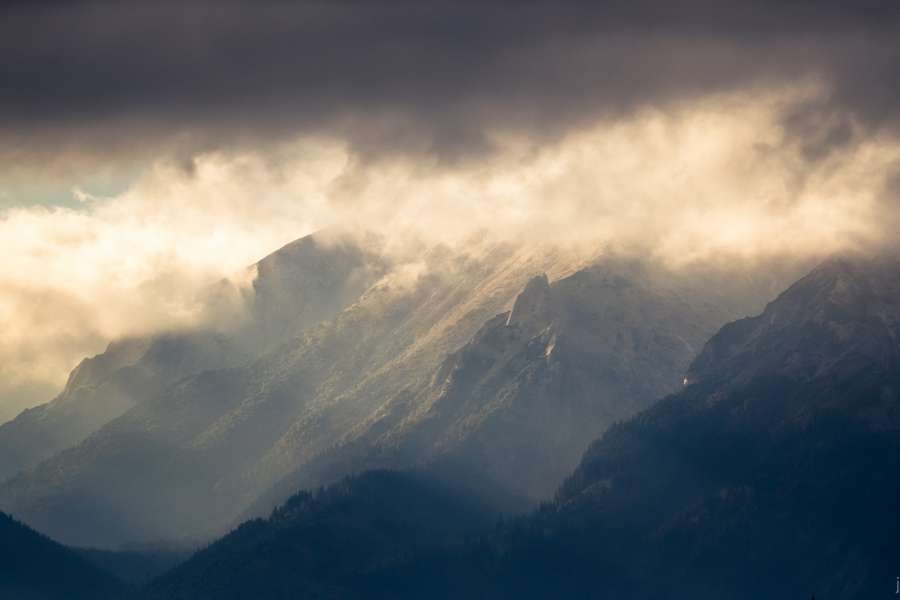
[147,149]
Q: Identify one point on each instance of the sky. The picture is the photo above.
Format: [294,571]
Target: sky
[149,149]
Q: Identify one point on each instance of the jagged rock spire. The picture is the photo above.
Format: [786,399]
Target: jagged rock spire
[533,307]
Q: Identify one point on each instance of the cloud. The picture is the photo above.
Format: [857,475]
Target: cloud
[190,139]
[725,176]
[88,86]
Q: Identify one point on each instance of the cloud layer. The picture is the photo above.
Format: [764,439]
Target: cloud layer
[85,85]
[221,131]
[719,178]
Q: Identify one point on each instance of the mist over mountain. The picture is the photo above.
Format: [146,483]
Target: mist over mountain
[773,473]
[211,441]
[105,386]
[768,468]
[544,299]
[512,410]
[296,287]
[407,365]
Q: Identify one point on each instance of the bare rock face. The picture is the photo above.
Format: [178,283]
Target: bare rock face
[534,308]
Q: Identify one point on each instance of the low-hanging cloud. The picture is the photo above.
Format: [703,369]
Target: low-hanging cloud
[723,176]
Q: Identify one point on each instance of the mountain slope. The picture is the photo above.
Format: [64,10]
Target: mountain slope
[213,441]
[367,389]
[772,474]
[313,544]
[105,386]
[775,470]
[33,567]
[295,287]
[511,412]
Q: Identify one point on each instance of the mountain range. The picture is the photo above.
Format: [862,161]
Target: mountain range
[771,473]
[477,364]
[679,448]
[511,411]
[329,333]
[294,288]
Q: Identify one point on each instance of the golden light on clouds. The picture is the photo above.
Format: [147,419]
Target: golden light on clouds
[720,177]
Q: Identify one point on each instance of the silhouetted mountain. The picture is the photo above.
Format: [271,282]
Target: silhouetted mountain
[137,566]
[33,567]
[315,545]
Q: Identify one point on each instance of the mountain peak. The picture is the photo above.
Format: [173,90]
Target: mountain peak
[534,305]
[857,286]
[835,329]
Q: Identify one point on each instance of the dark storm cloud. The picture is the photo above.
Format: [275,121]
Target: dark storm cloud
[116,80]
